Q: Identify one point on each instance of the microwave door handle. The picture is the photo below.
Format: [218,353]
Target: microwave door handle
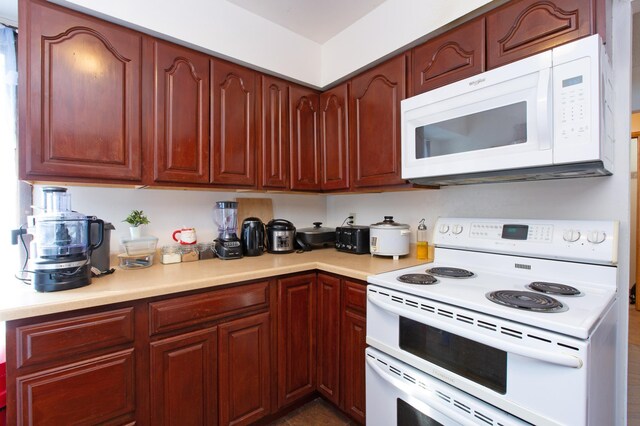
[550,357]
[426,397]
[544,109]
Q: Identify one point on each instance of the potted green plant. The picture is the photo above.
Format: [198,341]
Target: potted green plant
[135,219]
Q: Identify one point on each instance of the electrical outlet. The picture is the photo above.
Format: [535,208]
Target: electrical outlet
[352,221]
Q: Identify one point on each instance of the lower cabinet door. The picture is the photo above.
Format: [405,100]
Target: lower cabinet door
[183,379]
[354,338]
[100,390]
[243,370]
[328,350]
[296,338]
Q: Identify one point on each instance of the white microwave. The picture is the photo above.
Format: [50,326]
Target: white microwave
[547,116]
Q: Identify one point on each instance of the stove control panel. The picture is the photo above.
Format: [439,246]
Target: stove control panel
[595,241]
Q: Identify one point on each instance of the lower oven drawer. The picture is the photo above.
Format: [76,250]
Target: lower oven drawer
[533,374]
[400,395]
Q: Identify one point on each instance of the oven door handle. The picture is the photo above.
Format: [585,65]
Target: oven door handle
[550,357]
[426,397]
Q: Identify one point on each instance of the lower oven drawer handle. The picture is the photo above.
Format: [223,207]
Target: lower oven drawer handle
[550,357]
[425,396]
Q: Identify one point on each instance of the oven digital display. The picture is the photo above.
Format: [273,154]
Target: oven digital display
[515,232]
[475,361]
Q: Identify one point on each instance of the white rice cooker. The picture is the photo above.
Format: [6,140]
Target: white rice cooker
[389,238]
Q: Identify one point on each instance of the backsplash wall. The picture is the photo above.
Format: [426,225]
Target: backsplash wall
[169,210]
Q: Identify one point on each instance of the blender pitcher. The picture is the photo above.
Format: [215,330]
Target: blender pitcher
[227,245]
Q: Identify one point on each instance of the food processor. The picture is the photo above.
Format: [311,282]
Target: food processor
[62,244]
[227,245]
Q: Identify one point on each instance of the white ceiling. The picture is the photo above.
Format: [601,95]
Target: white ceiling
[317,20]
[9,11]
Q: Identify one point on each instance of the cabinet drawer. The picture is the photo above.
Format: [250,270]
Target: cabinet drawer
[98,391]
[355,295]
[55,340]
[186,311]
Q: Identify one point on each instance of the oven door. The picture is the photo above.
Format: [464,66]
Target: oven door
[398,394]
[498,120]
[538,376]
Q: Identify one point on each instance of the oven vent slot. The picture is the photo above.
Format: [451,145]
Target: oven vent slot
[461,406]
[397,299]
[487,325]
[427,308]
[411,303]
[373,291]
[510,332]
[539,338]
[443,396]
[484,418]
[445,313]
[463,318]
[568,347]
[409,378]
[395,370]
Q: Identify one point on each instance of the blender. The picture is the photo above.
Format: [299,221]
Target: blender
[227,245]
[61,246]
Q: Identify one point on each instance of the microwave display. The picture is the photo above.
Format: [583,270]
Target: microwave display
[502,126]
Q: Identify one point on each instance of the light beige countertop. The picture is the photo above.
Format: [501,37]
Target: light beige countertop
[18,300]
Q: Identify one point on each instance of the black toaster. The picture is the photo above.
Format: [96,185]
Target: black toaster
[353,239]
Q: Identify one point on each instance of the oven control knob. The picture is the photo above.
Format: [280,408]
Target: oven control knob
[457,229]
[596,237]
[571,235]
[444,228]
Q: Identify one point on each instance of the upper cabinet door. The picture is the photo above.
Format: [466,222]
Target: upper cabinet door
[305,146]
[80,96]
[180,114]
[454,55]
[333,138]
[525,27]
[374,121]
[233,91]
[274,135]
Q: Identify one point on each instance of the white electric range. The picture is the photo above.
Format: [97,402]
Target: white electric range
[547,361]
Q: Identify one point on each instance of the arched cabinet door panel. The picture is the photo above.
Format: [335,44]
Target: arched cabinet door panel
[274,135]
[526,27]
[80,115]
[233,97]
[180,114]
[334,143]
[305,144]
[374,122]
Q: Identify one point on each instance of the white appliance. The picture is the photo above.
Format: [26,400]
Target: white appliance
[551,367]
[543,117]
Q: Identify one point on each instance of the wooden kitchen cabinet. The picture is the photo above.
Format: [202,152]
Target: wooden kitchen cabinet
[525,27]
[73,368]
[334,141]
[244,370]
[374,123]
[80,97]
[296,340]
[179,82]
[183,379]
[304,110]
[354,342]
[328,349]
[454,55]
[233,121]
[274,133]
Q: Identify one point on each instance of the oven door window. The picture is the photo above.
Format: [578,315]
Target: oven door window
[497,127]
[477,362]
[409,416]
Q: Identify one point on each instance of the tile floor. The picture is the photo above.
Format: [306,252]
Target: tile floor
[315,413]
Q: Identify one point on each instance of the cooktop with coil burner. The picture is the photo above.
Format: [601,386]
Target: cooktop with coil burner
[526,300]
[449,272]
[531,257]
[418,279]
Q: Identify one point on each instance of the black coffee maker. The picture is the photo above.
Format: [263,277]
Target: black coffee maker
[252,236]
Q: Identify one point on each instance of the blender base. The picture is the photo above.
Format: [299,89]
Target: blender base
[48,281]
